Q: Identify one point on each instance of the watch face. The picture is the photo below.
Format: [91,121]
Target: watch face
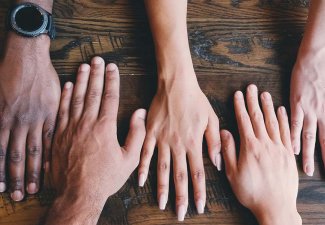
[29,19]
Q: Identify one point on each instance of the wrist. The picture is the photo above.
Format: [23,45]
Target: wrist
[76,208]
[47,5]
[18,46]
[178,76]
[278,216]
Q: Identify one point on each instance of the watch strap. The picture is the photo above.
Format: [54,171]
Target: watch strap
[51,27]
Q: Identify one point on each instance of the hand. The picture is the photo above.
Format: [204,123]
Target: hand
[29,100]
[264,177]
[307,106]
[88,163]
[179,116]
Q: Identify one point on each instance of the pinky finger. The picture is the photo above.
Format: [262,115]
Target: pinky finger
[147,152]
[284,127]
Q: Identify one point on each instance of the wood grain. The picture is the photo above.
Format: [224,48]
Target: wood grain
[233,43]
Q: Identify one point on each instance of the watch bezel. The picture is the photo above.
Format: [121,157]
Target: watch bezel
[41,30]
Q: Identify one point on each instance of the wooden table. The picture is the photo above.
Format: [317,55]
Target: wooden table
[233,43]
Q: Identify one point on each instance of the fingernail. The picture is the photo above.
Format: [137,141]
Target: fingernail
[200,206]
[2,187]
[309,170]
[266,95]
[162,201]
[239,94]
[181,213]
[142,179]
[218,162]
[17,196]
[84,68]
[142,113]
[97,60]
[68,85]
[111,67]
[283,110]
[252,87]
[32,188]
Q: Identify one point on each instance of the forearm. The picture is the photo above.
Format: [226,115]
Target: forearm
[313,40]
[168,24]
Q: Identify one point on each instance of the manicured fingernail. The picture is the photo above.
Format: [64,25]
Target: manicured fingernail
[218,162]
[296,150]
[142,179]
[142,113]
[84,68]
[200,206]
[111,67]
[68,85]
[2,187]
[32,188]
[309,170]
[17,196]
[97,60]
[181,211]
[162,201]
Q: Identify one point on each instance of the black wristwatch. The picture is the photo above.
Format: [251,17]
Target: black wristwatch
[30,20]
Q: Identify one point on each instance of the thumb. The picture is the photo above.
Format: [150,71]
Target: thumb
[136,135]
[229,152]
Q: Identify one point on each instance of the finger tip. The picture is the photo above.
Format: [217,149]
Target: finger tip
[84,67]
[97,60]
[111,67]
[141,113]
[17,196]
[252,87]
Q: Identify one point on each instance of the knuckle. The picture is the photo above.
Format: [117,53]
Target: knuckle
[2,153]
[49,132]
[16,156]
[162,187]
[34,151]
[272,124]
[77,101]
[94,94]
[295,124]
[308,136]
[198,175]
[257,116]
[180,177]
[180,199]
[62,114]
[163,167]
[111,95]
